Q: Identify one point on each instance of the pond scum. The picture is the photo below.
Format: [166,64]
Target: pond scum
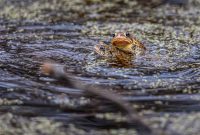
[161,89]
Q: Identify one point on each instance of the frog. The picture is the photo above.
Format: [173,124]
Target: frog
[122,48]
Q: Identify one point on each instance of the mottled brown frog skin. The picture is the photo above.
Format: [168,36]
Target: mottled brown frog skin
[122,48]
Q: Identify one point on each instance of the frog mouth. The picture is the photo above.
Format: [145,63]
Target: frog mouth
[121,42]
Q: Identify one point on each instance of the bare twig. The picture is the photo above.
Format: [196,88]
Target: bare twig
[58,72]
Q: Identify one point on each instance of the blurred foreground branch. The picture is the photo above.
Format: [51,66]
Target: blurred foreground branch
[58,72]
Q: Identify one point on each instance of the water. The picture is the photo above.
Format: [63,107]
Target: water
[168,73]
[163,81]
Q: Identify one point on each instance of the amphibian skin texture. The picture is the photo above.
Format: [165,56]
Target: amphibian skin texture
[123,48]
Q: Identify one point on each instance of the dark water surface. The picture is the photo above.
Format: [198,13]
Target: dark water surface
[162,85]
[165,79]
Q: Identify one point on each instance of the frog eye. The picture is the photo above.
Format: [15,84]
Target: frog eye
[128,34]
[113,35]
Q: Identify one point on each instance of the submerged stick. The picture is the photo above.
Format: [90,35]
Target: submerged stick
[58,72]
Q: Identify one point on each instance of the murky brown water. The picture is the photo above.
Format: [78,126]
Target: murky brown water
[164,81]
